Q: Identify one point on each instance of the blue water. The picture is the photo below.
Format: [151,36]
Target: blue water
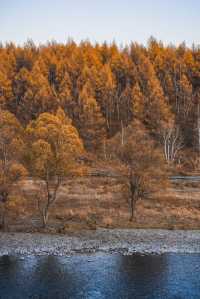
[101,276]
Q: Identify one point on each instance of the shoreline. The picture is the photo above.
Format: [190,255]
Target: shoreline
[123,241]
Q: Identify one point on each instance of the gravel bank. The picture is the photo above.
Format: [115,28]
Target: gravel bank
[126,241]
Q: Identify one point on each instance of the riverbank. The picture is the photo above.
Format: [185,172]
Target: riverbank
[126,241]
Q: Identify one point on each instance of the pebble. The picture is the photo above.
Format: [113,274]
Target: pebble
[123,241]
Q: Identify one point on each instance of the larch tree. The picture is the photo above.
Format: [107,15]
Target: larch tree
[185,107]
[105,94]
[138,103]
[156,112]
[54,145]
[11,158]
[20,85]
[91,122]
[145,167]
[184,97]
[5,88]
[38,97]
[156,84]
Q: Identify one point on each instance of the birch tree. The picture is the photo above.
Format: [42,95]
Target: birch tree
[172,143]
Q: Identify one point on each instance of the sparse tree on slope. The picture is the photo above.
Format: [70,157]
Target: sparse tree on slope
[144,163]
[55,146]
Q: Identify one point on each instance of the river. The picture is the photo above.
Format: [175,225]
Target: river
[101,276]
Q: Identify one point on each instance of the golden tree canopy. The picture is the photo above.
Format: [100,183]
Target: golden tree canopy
[55,144]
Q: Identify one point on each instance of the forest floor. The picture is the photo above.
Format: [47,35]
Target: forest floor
[126,241]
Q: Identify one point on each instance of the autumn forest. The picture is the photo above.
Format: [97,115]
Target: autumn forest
[135,108]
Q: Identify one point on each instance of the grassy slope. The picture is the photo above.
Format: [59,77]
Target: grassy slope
[93,201]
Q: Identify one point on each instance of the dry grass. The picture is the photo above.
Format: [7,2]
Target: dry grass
[99,201]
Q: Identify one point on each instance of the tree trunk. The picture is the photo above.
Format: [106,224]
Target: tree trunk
[104,149]
[132,208]
[45,216]
[3,217]
[49,200]
[122,133]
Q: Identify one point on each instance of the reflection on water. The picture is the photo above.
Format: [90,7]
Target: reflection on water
[100,276]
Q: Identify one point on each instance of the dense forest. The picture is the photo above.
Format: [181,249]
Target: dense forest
[59,102]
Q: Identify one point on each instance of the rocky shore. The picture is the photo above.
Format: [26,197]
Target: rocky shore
[126,241]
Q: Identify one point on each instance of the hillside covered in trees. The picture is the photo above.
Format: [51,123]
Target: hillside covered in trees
[136,109]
